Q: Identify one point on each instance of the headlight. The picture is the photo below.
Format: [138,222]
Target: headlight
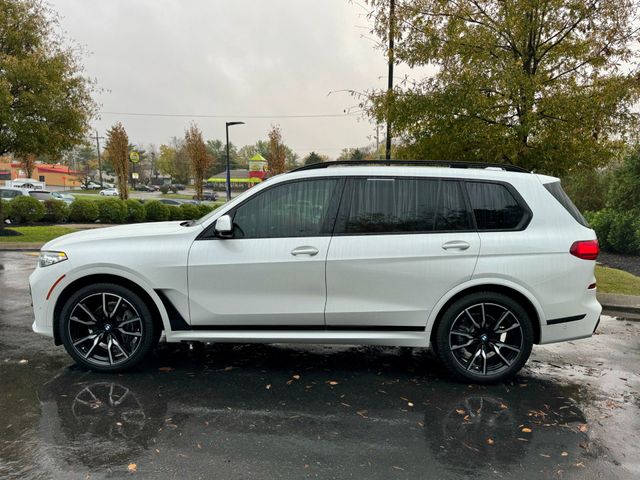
[50,258]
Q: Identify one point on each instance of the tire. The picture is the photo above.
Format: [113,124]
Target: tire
[484,351]
[111,342]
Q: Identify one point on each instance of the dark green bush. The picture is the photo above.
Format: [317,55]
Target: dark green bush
[601,222]
[190,211]
[204,209]
[112,210]
[622,237]
[56,211]
[175,213]
[26,209]
[5,208]
[135,211]
[83,211]
[164,189]
[156,211]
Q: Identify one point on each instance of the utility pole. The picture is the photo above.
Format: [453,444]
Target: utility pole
[392,34]
[99,160]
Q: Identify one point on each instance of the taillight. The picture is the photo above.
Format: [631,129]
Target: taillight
[585,249]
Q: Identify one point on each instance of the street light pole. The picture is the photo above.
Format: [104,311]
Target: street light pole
[228,182]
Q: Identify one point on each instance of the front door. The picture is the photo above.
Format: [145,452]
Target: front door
[400,245]
[272,272]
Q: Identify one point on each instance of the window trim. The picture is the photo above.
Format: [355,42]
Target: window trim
[345,207]
[524,222]
[334,204]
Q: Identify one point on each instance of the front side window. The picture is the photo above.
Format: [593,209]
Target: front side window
[294,209]
[404,205]
[495,208]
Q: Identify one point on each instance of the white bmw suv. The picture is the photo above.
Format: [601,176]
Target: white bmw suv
[479,261]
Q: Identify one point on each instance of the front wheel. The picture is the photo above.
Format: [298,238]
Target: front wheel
[484,337]
[106,328]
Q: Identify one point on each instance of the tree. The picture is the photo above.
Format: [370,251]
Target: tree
[166,161]
[545,84]
[276,156]
[218,151]
[198,156]
[312,158]
[45,102]
[28,163]
[117,150]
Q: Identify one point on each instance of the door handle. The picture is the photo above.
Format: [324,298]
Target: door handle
[306,250]
[456,245]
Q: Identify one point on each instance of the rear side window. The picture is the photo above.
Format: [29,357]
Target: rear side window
[495,208]
[560,195]
[403,205]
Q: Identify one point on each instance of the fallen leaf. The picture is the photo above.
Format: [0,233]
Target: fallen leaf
[545,455]
[198,445]
[460,411]
[132,467]
[332,382]
[362,413]
[410,404]
[583,428]
[490,441]
[165,369]
[503,406]
[226,369]
[565,454]
[297,377]
[268,386]
[398,468]
[526,430]
[23,361]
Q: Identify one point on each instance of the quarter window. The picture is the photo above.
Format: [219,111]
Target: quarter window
[404,205]
[294,209]
[494,207]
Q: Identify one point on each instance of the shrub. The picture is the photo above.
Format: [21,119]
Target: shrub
[5,208]
[190,211]
[156,211]
[601,222]
[83,211]
[173,188]
[56,211]
[112,210]
[622,237]
[135,211]
[164,189]
[203,209]
[175,213]
[26,209]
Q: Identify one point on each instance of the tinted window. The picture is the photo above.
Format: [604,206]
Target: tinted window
[494,207]
[559,194]
[9,193]
[404,205]
[295,209]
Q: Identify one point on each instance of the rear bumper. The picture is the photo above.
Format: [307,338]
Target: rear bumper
[580,325]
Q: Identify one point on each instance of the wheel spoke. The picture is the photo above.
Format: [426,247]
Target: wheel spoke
[484,315]
[76,319]
[473,360]
[86,310]
[109,343]
[463,345]
[462,334]
[126,322]
[497,350]
[104,305]
[509,347]
[500,320]
[84,339]
[115,309]
[508,329]
[133,334]
[117,344]
[471,318]
[95,343]
[484,360]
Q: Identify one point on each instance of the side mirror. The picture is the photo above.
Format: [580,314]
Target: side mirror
[224,226]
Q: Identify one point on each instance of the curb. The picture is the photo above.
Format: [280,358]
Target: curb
[17,247]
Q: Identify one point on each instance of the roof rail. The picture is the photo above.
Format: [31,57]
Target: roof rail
[413,163]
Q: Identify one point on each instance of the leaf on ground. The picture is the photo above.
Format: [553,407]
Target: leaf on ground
[23,361]
[332,382]
[564,454]
[583,428]
[296,377]
[132,467]
[503,406]
[460,411]
[362,413]
[526,430]
[165,369]
[268,387]
[397,467]
[490,441]
[410,404]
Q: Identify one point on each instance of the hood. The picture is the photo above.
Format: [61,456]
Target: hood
[137,230]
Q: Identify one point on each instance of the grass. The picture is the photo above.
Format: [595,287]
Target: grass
[612,280]
[36,234]
[177,196]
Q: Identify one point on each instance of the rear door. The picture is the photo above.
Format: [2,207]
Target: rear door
[400,244]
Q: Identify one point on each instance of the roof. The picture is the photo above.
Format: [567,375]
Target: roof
[237,173]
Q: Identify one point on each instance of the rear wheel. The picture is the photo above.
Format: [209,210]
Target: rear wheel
[107,328]
[484,337]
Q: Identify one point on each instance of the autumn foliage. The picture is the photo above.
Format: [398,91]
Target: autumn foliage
[199,158]
[117,150]
[276,156]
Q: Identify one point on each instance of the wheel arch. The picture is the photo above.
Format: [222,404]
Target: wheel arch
[526,300]
[150,299]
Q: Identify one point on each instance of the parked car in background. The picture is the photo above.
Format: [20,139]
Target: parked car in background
[90,186]
[41,195]
[141,187]
[480,261]
[65,197]
[208,196]
[171,201]
[108,185]
[178,186]
[110,192]
[9,193]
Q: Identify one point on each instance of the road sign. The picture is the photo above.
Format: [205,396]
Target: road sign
[135,175]
[134,157]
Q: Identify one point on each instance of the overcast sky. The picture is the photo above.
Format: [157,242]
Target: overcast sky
[231,58]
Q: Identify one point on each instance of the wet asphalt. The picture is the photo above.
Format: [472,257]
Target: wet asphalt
[286,411]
